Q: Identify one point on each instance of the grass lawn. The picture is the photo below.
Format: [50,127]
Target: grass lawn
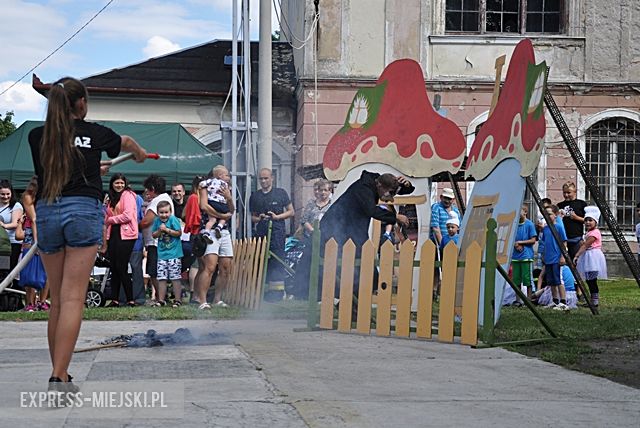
[286,310]
[604,344]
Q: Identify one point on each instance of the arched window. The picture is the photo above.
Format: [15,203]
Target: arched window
[612,152]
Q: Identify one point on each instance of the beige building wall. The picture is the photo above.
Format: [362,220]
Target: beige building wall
[593,67]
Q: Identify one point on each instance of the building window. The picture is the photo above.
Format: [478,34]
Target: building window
[612,152]
[504,16]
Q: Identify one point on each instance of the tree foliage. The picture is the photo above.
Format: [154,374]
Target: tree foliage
[6,125]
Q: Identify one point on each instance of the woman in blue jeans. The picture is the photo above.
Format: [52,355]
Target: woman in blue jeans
[66,154]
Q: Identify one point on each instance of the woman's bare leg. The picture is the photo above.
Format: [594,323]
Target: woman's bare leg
[223,277]
[75,267]
[53,265]
[203,278]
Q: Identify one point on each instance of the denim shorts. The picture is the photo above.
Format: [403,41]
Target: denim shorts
[69,221]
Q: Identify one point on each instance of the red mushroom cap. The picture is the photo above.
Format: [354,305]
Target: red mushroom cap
[393,123]
[516,128]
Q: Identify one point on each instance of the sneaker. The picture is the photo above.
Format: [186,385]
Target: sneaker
[204,306]
[387,237]
[222,304]
[43,306]
[561,307]
[207,238]
[30,308]
[550,306]
[177,303]
[217,233]
[63,392]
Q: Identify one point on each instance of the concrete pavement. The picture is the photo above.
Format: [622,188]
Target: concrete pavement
[261,373]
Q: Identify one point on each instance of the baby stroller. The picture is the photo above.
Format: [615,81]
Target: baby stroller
[99,284]
[293,250]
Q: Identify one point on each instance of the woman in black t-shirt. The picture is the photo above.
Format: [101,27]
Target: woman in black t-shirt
[66,156]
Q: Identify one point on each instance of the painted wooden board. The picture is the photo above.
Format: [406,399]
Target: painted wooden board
[447,293]
[516,127]
[425,290]
[405,280]
[394,123]
[473,265]
[385,282]
[346,286]
[328,284]
[499,196]
[363,324]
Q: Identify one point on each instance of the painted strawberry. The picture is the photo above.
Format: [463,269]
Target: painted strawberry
[393,123]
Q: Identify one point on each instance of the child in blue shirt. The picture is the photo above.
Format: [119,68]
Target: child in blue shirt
[552,258]
[522,257]
[453,227]
[167,229]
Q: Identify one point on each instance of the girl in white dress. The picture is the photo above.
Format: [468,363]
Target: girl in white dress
[589,259]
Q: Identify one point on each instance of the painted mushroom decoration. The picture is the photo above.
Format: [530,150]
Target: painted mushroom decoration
[520,105]
[393,123]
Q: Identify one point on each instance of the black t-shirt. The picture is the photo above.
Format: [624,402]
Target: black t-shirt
[276,200]
[91,139]
[573,228]
[179,208]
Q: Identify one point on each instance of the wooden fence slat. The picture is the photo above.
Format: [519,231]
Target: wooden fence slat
[405,282]
[425,290]
[346,286]
[233,279]
[245,296]
[259,280]
[240,280]
[254,274]
[471,294]
[328,284]
[376,231]
[385,285]
[243,274]
[365,291]
[447,293]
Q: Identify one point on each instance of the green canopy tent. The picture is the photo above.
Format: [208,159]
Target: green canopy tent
[183,156]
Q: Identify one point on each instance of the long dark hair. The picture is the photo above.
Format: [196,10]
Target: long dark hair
[6,184]
[195,183]
[114,197]
[58,151]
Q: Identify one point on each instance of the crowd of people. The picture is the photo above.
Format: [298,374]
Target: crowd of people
[186,239]
[155,238]
[576,226]
[537,264]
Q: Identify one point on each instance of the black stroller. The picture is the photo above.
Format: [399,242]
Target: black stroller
[294,249]
[99,283]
